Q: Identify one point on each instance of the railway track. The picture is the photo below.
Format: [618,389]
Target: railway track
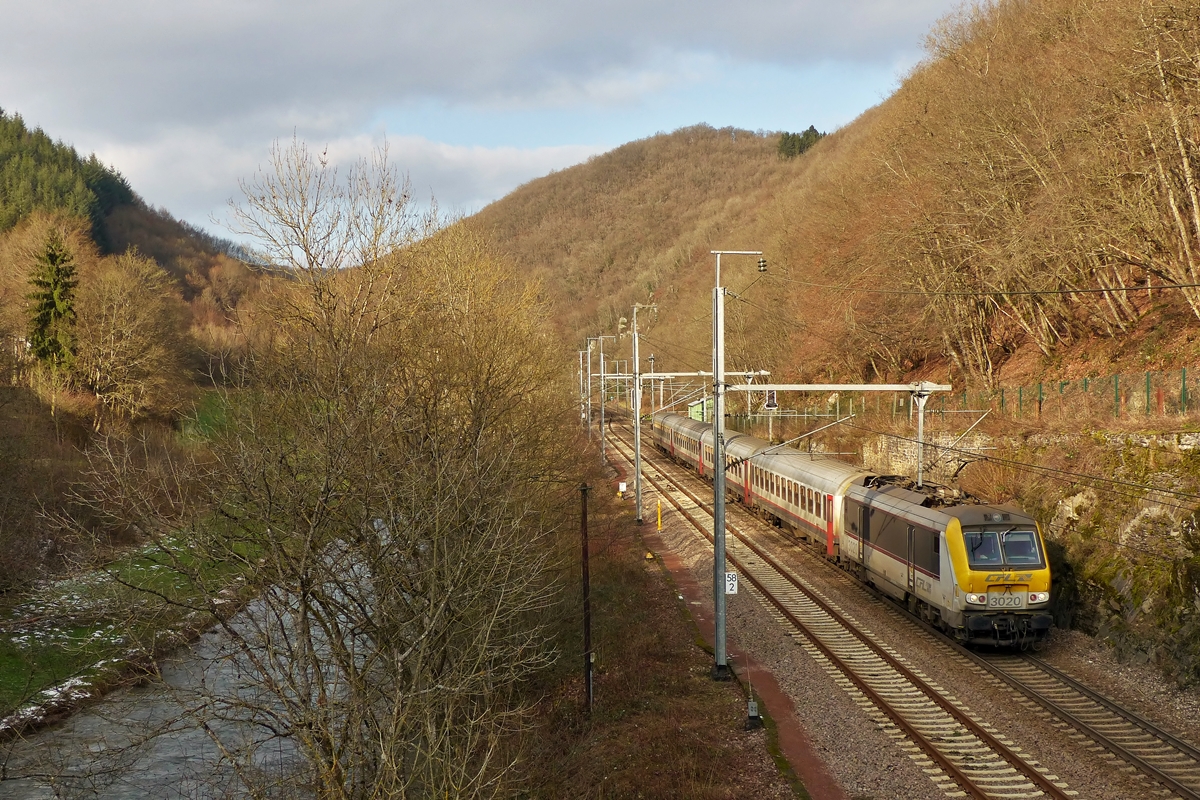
[1161,756]
[1155,753]
[961,754]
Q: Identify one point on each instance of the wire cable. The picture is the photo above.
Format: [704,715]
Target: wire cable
[988,293]
[1054,472]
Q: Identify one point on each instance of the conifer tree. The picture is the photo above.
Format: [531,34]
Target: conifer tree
[797,144]
[52,313]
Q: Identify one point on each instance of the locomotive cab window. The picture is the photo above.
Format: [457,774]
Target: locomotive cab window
[1004,547]
[1020,547]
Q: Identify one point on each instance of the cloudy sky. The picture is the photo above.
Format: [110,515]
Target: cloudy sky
[473,97]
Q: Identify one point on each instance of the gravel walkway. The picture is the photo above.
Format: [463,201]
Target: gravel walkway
[863,758]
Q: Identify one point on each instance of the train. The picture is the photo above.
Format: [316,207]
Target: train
[978,572]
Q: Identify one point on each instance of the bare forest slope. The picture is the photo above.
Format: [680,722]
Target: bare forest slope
[1036,167]
[113,317]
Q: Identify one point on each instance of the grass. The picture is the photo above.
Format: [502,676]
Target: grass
[208,417]
[660,728]
[71,638]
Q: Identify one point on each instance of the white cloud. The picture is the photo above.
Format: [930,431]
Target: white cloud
[185,97]
[198,188]
[139,64]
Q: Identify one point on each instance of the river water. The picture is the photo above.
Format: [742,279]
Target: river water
[171,738]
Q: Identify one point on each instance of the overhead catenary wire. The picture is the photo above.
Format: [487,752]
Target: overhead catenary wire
[987,292]
[1116,488]
[669,347]
[1124,490]
[1040,468]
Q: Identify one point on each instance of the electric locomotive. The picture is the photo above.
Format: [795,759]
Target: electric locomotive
[978,572]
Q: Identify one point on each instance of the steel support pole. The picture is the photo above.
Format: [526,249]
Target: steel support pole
[921,398]
[653,407]
[637,425]
[602,399]
[720,661]
[588,663]
[582,397]
[589,389]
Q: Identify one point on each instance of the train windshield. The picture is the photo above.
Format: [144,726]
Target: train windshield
[998,548]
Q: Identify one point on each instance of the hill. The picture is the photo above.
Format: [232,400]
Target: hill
[636,224]
[113,315]
[1034,169]
[41,176]
[1021,215]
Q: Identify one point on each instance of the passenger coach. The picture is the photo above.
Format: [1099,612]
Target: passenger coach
[978,572]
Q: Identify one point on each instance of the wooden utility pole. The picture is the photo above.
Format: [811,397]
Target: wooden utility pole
[588,661]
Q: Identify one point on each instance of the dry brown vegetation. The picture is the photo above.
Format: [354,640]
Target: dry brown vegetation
[1042,146]
[390,466]
[153,316]
[1013,200]
[660,727]
[637,223]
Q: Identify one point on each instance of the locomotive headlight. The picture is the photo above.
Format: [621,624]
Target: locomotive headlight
[977,599]
[1038,597]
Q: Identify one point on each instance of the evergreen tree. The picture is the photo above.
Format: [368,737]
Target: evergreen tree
[52,313]
[795,144]
[37,172]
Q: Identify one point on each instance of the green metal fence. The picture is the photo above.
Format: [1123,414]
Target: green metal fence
[1129,395]
[1123,396]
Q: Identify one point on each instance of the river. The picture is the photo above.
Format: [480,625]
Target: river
[163,739]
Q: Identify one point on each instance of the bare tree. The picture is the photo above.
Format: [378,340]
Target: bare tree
[129,338]
[383,469]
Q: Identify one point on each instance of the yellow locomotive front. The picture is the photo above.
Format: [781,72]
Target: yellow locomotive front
[1002,575]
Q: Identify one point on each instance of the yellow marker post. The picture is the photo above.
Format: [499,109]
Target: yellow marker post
[660,515]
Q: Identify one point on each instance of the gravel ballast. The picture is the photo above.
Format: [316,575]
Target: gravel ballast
[864,755]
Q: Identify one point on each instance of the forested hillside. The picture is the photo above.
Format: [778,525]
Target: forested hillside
[113,317]
[39,174]
[1022,214]
[1034,170]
